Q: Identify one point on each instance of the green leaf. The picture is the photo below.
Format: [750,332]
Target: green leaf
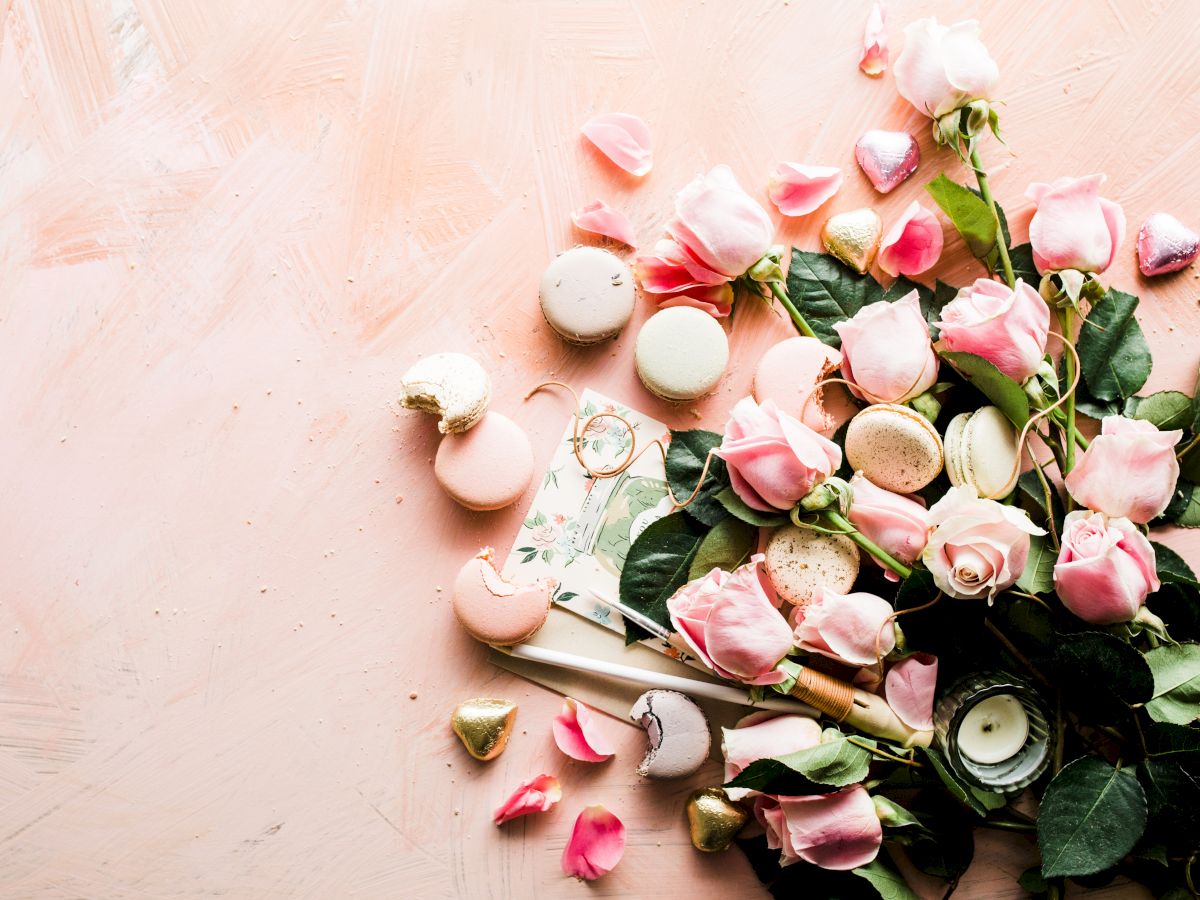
[1038,576]
[994,384]
[1166,410]
[969,214]
[1100,674]
[1091,816]
[1032,882]
[1184,508]
[1113,353]
[1177,743]
[657,566]
[834,761]
[932,311]
[774,777]
[963,792]
[892,814]
[729,499]
[826,292]
[685,461]
[727,546]
[1195,425]
[1176,670]
[887,881]
[1173,798]
[1171,567]
[1024,268]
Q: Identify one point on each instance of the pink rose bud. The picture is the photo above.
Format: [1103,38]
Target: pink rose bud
[897,524]
[731,625]
[596,844]
[1007,327]
[1074,227]
[855,629]
[1129,470]
[979,547]
[774,459]
[1105,568]
[763,736]
[533,796]
[834,831]
[913,244]
[943,68]
[886,351]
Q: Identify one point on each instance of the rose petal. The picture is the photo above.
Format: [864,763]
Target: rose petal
[596,844]
[578,735]
[533,796]
[758,737]
[600,218]
[913,244]
[714,299]
[623,138]
[874,57]
[909,689]
[834,831]
[797,189]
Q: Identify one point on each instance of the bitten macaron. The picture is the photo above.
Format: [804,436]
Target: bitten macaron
[495,611]
[982,450]
[451,385]
[587,295]
[681,353]
[895,447]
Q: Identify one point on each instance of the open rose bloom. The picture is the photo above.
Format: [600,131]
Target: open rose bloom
[1105,568]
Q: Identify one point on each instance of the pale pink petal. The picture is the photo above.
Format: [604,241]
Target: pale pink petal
[578,735]
[714,299]
[669,269]
[913,244]
[797,189]
[600,218]
[834,831]
[533,796]
[762,737]
[909,689]
[596,844]
[874,57]
[623,138]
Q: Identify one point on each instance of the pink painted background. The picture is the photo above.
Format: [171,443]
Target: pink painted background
[227,228]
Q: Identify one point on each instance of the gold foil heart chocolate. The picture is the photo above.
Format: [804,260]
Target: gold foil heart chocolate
[483,725]
[713,819]
[853,237]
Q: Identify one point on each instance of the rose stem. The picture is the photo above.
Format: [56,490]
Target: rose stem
[797,319]
[1066,320]
[837,520]
[986,193]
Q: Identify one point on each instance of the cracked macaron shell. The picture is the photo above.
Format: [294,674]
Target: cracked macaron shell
[450,385]
[677,730]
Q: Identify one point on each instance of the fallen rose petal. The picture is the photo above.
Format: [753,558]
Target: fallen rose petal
[797,189]
[913,244]
[577,734]
[533,796]
[874,57]
[909,689]
[600,218]
[596,844]
[623,138]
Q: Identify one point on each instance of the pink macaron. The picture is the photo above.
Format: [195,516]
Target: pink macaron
[788,371]
[495,611]
[487,467]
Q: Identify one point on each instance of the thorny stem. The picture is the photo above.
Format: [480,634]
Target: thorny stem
[986,193]
[798,320]
[837,520]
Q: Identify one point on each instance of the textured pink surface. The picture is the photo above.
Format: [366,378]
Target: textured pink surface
[227,228]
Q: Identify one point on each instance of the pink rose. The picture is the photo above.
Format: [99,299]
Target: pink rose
[763,736]
[1105,568]
[855,629]
[886,351]
[774,459]
[943,68]
[834,831]
[1007,327]
[979,547]
[731,625]
[1129,470]
[1074,227]
[896,523]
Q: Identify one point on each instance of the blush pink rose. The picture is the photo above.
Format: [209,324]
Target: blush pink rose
[1006,326]
[730,624]
[913,244]
[1129,470]
[1105,568]
[886,351]
[1074,227]
[979,547]
[596,844]
[763,736]
[896,523]
[533,796]
[774,459]
[846,627]
[943,68]
[834,831]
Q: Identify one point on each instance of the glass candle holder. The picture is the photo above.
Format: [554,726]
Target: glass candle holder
[974,737]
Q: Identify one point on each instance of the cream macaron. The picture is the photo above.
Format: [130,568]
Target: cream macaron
[802,563]
[587,295]
[487,467]
[895,447]
[451,385]
[982,450]
[681,353]
[494,611]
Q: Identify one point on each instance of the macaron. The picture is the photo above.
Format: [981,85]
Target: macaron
[587,295]
[895,447]
[487,467]
[801,563]
[677,731]
[681,353]
[786,374]
[494,611]
[982,450]
[451,385]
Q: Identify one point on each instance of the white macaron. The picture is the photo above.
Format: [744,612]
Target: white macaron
[681,353]
[982,451]
[587,295]
[451,385]
[895,447]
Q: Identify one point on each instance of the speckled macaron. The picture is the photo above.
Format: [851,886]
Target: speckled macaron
[895,447]
[982,450]
[494,611]
[451,385]
[587,295]
[786,374]
[802,563]
[487,467]
[681,353]
[677,731]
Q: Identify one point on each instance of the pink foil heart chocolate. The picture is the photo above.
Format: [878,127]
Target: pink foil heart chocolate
[887,157]
[1166,245]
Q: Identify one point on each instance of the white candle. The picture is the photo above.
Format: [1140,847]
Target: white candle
[993,730]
